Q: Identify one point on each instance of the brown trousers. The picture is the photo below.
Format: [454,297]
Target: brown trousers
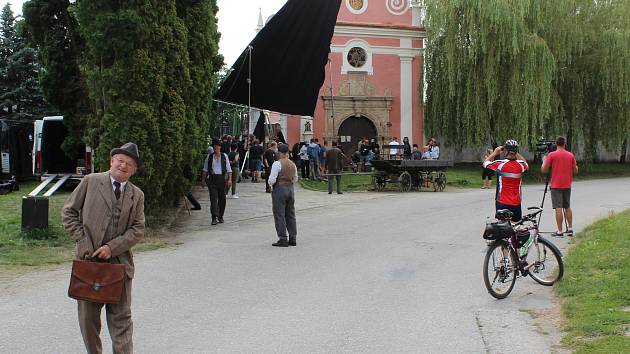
[119,323]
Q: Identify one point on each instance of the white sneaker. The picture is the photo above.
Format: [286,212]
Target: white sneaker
[235,196]
[229,196]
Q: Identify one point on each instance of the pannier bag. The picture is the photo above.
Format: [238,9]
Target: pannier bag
[96,281]
[498,230]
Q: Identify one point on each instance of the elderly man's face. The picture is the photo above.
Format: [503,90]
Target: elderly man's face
[122,167]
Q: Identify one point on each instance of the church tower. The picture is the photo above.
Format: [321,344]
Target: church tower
[374,74]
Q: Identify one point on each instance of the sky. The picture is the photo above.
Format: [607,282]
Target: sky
[237,22]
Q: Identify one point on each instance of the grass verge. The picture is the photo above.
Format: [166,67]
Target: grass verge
[468,175]
[595,291]
[21,251]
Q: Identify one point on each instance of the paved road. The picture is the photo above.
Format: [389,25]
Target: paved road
[372,273]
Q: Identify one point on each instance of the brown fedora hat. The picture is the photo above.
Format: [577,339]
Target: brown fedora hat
[129,149]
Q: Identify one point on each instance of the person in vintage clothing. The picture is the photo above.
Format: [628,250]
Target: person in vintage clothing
[104,215]
[283,176]
[217,174]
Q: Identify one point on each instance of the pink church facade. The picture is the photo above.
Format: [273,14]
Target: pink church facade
[375,71]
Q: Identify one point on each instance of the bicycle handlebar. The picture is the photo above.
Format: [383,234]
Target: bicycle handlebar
[530,216]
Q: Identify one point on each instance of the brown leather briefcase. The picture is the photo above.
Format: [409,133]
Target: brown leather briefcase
[96,281]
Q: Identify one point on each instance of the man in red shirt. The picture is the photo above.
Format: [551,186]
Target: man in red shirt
[510,175]
[563,167]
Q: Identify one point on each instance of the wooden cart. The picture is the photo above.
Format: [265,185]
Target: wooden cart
[410,174]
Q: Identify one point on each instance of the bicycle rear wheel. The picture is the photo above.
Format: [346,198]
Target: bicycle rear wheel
[499,271]
[546,260]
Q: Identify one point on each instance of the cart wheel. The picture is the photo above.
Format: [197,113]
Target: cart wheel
[439,182]
[405,181]
[379,183]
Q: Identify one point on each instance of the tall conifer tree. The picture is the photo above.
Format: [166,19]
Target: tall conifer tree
[20,95]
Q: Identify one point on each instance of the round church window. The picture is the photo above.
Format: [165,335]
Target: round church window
[356,4]
[357,57]
[356,7]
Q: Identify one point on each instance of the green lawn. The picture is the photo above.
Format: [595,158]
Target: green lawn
[468,175]
[25,250]
[595,290]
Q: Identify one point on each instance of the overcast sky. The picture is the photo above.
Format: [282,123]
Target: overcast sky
[237,22]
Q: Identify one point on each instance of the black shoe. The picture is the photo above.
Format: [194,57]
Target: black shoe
[281,243]
[339,192]
[329,192]
[220,220]
[292,242]
[214,222]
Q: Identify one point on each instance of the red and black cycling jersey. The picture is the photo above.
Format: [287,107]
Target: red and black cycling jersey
[510,176]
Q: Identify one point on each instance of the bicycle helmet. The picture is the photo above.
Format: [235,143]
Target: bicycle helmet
[511,145]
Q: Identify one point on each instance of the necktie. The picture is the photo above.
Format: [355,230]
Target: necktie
[117,190]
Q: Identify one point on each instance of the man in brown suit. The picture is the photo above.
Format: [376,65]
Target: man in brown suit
[105,217]
[334,164]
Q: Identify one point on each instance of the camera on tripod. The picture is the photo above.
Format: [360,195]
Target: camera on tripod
[544,146]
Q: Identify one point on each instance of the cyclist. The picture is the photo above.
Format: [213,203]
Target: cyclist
[510,175]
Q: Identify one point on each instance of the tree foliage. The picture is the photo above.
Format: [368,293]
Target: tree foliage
[149,68]
[51,28]
[528,68]
[20,96]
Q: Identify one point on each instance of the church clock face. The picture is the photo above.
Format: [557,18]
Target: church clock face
[357,57]
[356,6]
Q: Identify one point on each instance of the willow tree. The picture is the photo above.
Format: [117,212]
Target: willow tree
[527,68]
[593,79]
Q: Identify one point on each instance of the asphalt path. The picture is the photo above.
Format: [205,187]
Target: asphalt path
[372,273]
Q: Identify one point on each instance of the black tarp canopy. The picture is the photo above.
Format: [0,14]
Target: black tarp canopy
[288,59]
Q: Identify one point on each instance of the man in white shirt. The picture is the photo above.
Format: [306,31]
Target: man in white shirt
[393,152]
[281,179]
[217,173]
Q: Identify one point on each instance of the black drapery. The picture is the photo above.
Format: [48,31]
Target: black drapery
[259,131]
[288,59]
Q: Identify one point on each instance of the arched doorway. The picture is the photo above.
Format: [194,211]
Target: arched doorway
[352,130]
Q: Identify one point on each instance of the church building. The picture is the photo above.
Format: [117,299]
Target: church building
[373,78]
[375,72]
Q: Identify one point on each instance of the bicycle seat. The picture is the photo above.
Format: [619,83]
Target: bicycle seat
[504,214]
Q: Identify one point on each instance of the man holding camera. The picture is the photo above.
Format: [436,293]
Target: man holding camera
[563,166]
[510,175]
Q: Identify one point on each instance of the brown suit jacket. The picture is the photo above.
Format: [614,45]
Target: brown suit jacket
[87,213]
[334,160]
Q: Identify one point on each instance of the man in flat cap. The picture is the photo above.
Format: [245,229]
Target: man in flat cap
[217,174]
[104,215]
[281,179]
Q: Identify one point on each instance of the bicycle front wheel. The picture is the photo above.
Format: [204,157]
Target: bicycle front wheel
[545,261]
[499,269]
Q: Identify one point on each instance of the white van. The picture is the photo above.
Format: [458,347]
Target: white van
[48,157]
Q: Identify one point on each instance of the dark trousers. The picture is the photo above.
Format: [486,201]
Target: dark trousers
[119,323]
[283,201]
[216,188]
[330,181]
[304,168]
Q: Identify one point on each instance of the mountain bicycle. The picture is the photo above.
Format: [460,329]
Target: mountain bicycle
[517,250]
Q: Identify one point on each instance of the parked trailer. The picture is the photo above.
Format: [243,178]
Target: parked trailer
[410,173]
[51,163]
[16,143]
